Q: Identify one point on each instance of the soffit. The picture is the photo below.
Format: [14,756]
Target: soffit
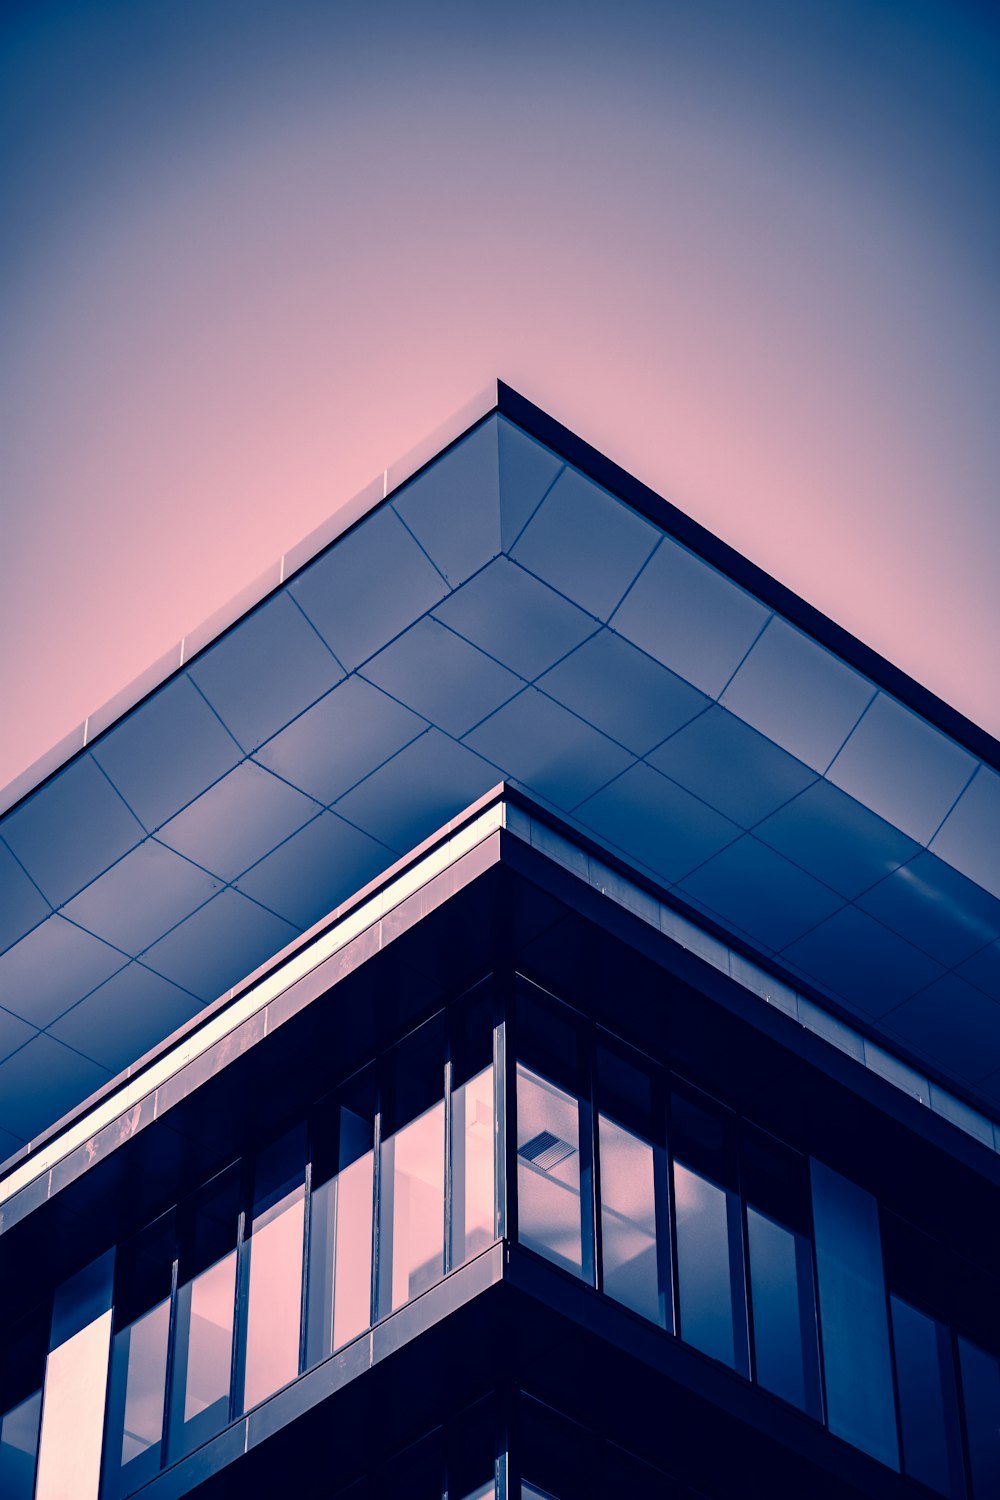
[501,615]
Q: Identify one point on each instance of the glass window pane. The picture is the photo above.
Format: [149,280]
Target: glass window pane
[340,1234]
[274,1254]
[928,1409]
[142,1348]
[548,1171]
[204,1338]
[981,1399]
[853,1315]
[709,1270]
[628,1220]
[19,1448]
[472,1165]
[411,1226]
[786,1356]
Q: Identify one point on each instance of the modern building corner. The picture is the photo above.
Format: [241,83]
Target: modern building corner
[511,1008]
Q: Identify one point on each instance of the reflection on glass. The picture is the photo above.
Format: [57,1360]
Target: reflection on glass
[928,1408]
[709,1283]
[784,1312]
[628,1219]
[203,1353]
[19,1448]
[274,1252]
[484,1492]
[532,1492]
[981,1399]
[548,1170]
[142,1348]
[472,1190]
[411,1253]
[341,1258]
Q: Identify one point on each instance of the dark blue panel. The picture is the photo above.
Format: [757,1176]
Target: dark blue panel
[983,970]
[82,1299]
[623,692]
[798,694]
[442,676]
[755,889]
[167,751]
[41,1082]
[22,906]
[856,957]
[413,794]
[315,870]
[936,908]
[340,739]
[265,671]
[70,830]
[140,897]
[586,543]
[731,766]
[853,1315]
[902,768]
[548,749]
[368,588]
[526,472]
[13,1033]
[653,820]
[9,1143]
[453,508]
[124,1018]
[53,967]
[219,945]
[953,1024]
[690,617]
[238,820]
[516,619]
[970,836]
[836,839]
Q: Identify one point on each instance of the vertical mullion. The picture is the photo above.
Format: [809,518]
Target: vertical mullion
[500,1180]
[745,1257]
[448,1149]
[237,1365]
[306,1227]
[168,1378]
[675,1281]
[376,1197]
[662,1216]
[596,1228]
[510,1108]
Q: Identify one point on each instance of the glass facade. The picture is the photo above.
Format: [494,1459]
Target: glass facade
[619,1173]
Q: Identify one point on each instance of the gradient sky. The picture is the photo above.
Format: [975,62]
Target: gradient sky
[252,252]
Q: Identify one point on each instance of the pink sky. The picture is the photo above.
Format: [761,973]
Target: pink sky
[253,255]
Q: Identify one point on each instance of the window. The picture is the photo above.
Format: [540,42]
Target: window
[272,1269]
[709,1235]
[634,1269]
[411,1170]
[22,1367]
[341,1218]
[553,1139]
[775,1182]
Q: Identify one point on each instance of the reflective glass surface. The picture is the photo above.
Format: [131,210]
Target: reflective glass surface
[628,1220]
[709,1270]
[340,1255]
[273,1270]
[473,1190]
[411,1226]
[981,1399]
[928,1404]
[19,1448]
[548,1170]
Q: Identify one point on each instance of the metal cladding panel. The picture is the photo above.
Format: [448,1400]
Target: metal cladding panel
[502,613]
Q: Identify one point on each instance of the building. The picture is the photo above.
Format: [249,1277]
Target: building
[512,1008]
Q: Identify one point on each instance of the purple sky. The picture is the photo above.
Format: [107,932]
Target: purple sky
[252,252]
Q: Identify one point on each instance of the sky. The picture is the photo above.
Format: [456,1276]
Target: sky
[252,251]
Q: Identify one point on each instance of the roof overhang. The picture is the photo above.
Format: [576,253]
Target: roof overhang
[515,607]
